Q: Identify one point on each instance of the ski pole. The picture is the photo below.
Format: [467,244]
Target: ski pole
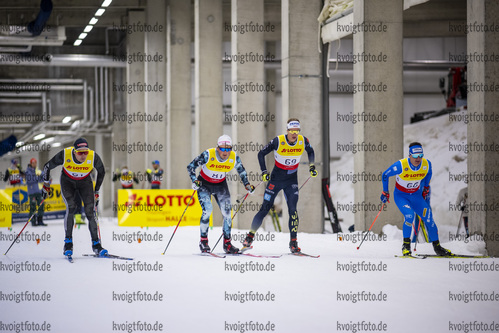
[459,223]
[333,216]
[238,208]
[96,217]
[232,218]
[275,219]
[304,182]
[245,199]
[36,211]
[465,220]
[358,247]
[179,221]
[417,233]
[241,198]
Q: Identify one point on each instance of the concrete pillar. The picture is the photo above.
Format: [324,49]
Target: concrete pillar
[483,197]
[105,193]
[248,136]
[301,98]
[119,159]
[277,123]
[208,79]
[155,76]
[135,100]
[208,73]
[119,134]
[386,136]
[271,78]
[273,127]
[179,20]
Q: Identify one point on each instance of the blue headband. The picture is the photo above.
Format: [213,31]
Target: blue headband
[415,150]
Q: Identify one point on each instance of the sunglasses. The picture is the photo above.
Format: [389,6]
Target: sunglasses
[417,155]
[294,131]
[225,149]
[82,153]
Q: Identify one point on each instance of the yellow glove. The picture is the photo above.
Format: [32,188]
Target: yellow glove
[38,172]
[265,176]
[148,171]
[312,170]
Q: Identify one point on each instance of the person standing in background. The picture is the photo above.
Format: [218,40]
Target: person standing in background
[155,176]
[33,178]
[126,178]
[462,202]
[14,174]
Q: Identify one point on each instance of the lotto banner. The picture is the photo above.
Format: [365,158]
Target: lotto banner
[5,212]
[18,204]
[157,208]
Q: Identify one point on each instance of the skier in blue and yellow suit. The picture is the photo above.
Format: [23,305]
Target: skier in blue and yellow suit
[412,195]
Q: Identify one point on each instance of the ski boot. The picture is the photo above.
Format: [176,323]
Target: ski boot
[439,250]
[293,246]
[229,248]
[406,247]
[68,247]
[249,239]
[203,245]
[40,221]
[98,249]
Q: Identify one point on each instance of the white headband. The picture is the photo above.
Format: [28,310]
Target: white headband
[294,124]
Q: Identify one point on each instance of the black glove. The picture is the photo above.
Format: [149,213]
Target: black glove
[196,185]
[96,199]
[426,191]
[250,188]
[45,190]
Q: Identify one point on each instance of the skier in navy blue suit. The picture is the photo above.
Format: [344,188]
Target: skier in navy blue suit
[287,149]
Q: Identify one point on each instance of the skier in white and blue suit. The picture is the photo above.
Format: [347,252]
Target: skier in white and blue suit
[215,163]
[412,195]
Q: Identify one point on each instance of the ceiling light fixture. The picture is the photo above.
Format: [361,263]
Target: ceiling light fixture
[100,11]
[93,21]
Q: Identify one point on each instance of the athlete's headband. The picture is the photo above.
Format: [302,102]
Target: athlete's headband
[415,150]
[294,125]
